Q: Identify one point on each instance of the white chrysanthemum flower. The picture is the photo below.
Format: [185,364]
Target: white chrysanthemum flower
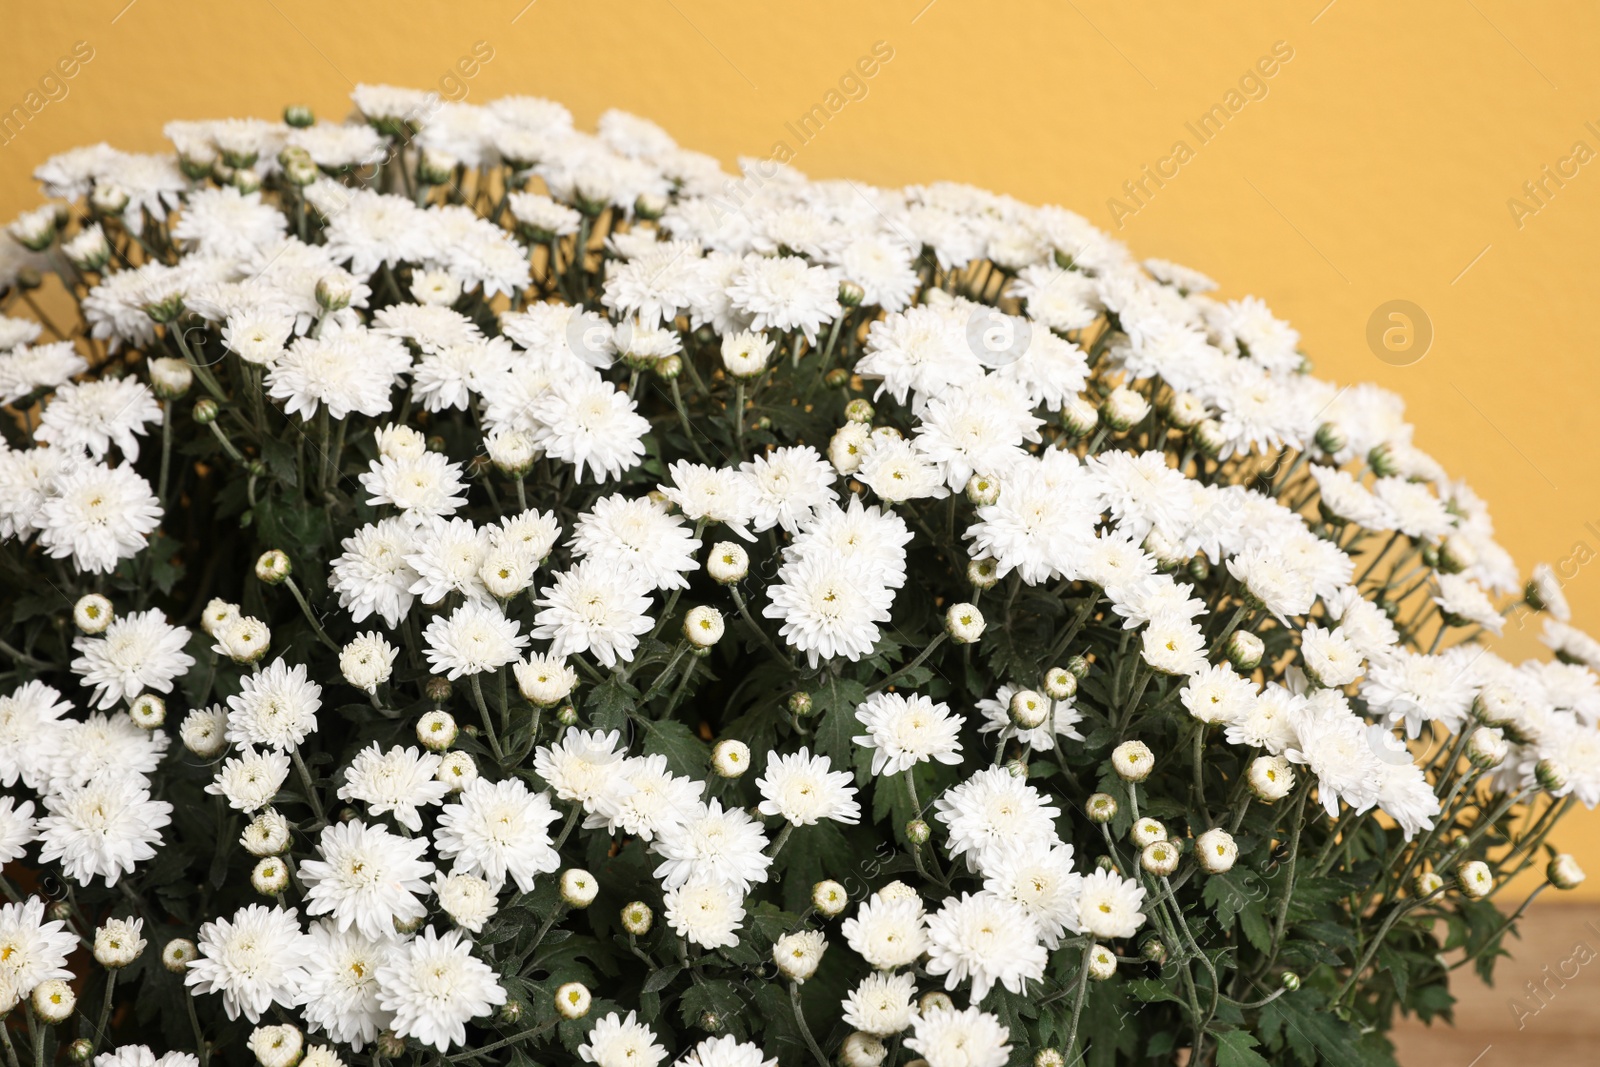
[658,800]
[101,745]
[714,494]
[545,680]
[367,878]
[276,707]
[433,986]
[449,557]
[904,731]
[1334,744]
[250,780]
[97,515]
[882,1004]
[828,607]
[897,471]
[615,1041]
[726,845]
[18,828]
[449,377]
[1461,600]
[991,809]
[1108,906]
[255,959]
[966,1038]
[1217,694]
[1415,688]
[368,661]
[31,950]
[987,940]
[585,767]
[638,535]
[1041,880]
[204,731]
[1329,657]
[791,484]
[498,830]
[804,789]
[887,932]
[705,911]
[785,294]
[425,485]
[138,651]
[587,422]
[1173,645]
[400,781]
[102,829]
[372,575]
[96,415]
[594,608]
[353,370]
[467,899]
[471,640]
[31,721]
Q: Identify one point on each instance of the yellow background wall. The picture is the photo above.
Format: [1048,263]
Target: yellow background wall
[1377,166]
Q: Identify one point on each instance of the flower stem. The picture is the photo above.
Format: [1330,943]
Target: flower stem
[311,617]
[311,789]
[488,723]
[805,1031]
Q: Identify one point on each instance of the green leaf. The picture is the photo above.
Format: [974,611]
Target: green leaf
[659,980]
[686,753]
[1236,1048]
[609,703]
[835,705]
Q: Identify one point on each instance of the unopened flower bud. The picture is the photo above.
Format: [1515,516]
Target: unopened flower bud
[982,490]
[1184,410]
[837,378]
[1216,850]
[1209,438]
[567,715]
[1270,778]
[1244,650]
[170,378]
[917,832]
[1290,981]
[829,897]
[92,614]
[1079,417]
[862,1050]
[435,167]
[578,887]
[456,770]
[270,876]
[148,711]
[244,640]
[859,410]
[1153,950]
[1426,884]
[1551,775]
[1383,461]
[54,1001]
[510,1013]
[1028,709]
[335,291]
[1101,808]
[1102,963]
[710,1022]
[703,626]
[1124,409]
[851,294]
[1160,858]
[205,411]
[1330,438]
[81,1050]
[637,918]
[178,954]
[798,955]
[730,758]
[511,451]
[267,835]
[983,573]
[728,563]
[572,1000]
[1060,684]
[1474,879]
[935,1000]
[1147,831]
[117,943]
[437,731]
[1133,761]
[277,1046]
[1564,872]
[1487,747]
[299,116]
[964,623]
[669,367]
[800,704]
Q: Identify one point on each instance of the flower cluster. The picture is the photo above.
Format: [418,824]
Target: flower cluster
[615,611]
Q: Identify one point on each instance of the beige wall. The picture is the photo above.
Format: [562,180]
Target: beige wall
[1377,166]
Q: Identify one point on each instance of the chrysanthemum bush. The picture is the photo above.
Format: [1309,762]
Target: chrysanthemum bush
[481,592]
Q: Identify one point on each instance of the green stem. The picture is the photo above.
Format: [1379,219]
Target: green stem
[311,790]
[805,1031]
[305,606]
[488,722]
[938,639]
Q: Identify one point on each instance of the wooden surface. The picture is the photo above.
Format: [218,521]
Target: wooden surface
[1553,1022]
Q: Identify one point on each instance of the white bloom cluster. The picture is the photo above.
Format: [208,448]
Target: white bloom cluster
[586,479]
